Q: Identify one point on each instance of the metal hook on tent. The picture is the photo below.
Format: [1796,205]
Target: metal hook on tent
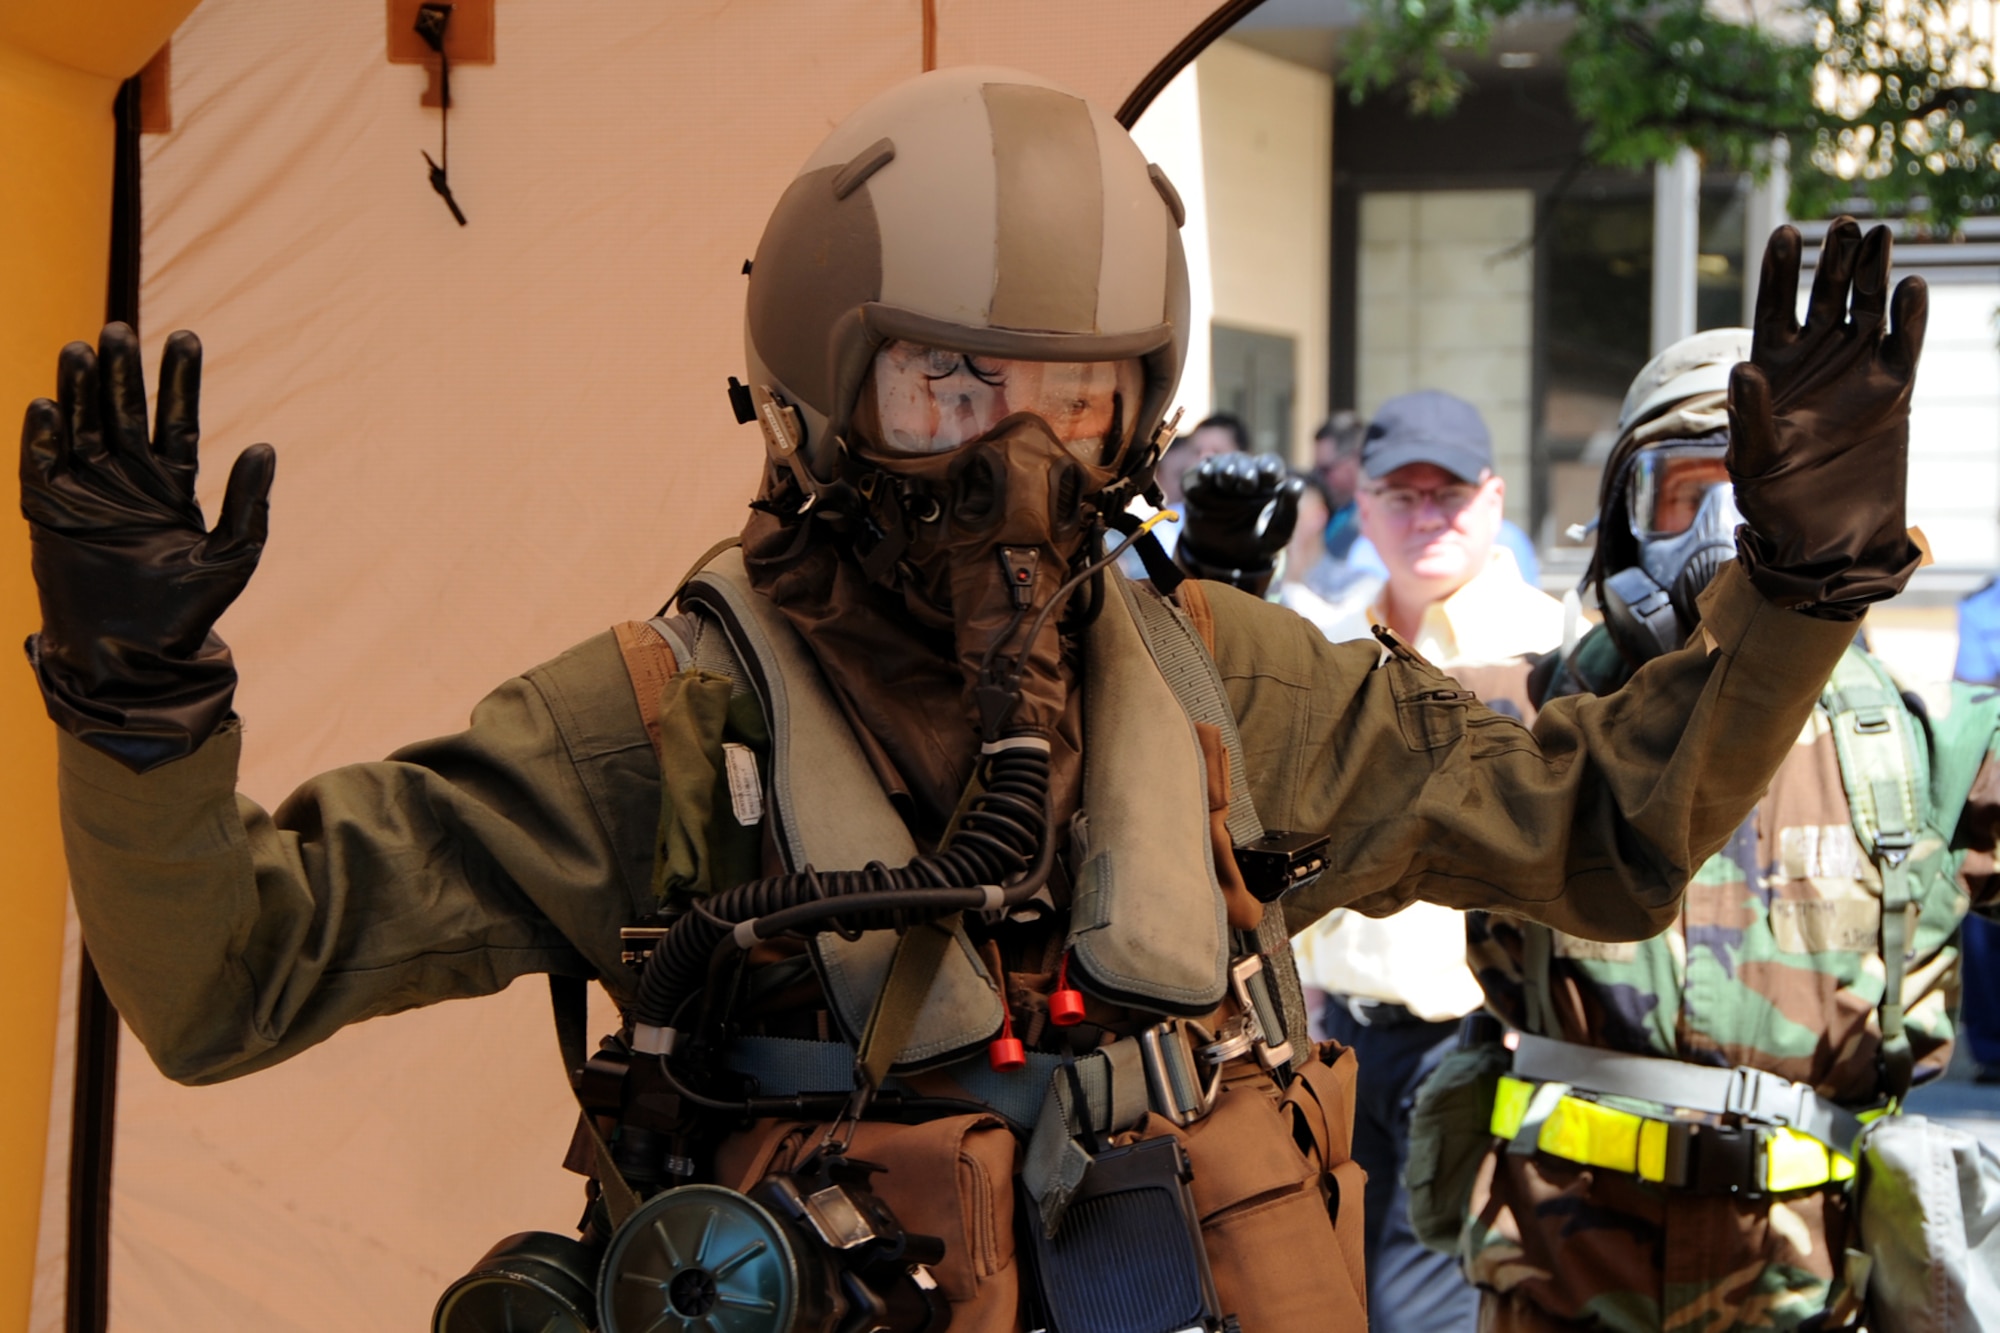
[432,20]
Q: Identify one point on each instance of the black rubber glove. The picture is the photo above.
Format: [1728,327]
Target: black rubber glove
[1238,513]
[1819,427]
[131,580]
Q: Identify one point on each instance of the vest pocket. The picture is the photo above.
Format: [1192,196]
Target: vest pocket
[1431,710]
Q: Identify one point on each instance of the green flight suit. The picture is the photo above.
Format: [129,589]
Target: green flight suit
[232,938]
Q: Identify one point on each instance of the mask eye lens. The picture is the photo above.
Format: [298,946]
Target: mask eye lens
[930,400]
[1669,488]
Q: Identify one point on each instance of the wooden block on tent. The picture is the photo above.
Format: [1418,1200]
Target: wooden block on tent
[156,108]
[468,38]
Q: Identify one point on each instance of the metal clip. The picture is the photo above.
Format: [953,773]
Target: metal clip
[1236,1040]
[1179,1089]
[1246,980]
[638,943]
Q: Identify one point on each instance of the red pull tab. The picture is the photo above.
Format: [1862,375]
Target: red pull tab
[1007,1054]
[1066,1002]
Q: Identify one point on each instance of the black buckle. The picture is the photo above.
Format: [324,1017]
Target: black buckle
[1726,1160]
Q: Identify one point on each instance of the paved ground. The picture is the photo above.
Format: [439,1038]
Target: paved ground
[1974,1107]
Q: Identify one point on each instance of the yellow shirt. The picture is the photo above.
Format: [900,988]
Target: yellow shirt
[1416,958]
[1496,617]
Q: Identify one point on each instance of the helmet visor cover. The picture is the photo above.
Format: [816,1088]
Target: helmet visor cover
[1669,485]
[931,400]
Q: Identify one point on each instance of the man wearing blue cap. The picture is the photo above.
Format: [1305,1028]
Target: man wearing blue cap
[1396,987]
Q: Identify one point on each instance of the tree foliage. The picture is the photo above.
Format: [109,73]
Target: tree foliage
[1888,100]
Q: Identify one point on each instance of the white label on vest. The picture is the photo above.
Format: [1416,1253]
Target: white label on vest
[746,790]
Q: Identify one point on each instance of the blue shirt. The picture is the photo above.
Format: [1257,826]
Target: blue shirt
[1979,636]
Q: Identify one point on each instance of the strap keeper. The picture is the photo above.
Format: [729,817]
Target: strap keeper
[649,1040]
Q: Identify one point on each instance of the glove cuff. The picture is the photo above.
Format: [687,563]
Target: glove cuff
[152,713]
[1834,587]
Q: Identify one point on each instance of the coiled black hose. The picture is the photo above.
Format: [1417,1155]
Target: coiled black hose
[1003,836]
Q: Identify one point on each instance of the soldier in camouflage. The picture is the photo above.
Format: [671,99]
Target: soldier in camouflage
[1653,1215]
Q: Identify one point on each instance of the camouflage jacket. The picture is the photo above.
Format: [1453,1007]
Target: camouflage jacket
[1775,962]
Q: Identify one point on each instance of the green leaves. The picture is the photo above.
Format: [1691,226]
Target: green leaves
[1890,100]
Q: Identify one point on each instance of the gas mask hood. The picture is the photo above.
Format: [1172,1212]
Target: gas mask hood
[984,538]
[1649,605]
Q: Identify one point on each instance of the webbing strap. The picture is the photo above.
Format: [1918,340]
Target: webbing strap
[1112,1083]
[1190,672]
[701,563]
[918,955]
[569,1000]
[1755,1094]
[1898,1060]
[1542,1104]
[1537,957]
[1672,1152]
[1885,775]
[1189,667]
[791,1066]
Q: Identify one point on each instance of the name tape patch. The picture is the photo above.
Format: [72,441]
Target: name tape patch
[746,789]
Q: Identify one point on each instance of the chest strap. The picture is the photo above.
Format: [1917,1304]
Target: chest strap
[1884,772]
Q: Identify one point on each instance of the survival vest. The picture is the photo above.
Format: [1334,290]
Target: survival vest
[1147,930]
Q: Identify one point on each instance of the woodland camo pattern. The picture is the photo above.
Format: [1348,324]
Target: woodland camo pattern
[1774,963]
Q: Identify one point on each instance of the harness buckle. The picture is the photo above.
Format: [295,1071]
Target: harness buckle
[1253,997]
[1179,1089]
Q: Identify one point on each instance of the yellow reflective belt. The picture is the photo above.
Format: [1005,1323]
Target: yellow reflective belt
[1593,1134]
[1796,1161]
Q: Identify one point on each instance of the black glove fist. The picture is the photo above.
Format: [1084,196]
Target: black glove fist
[131,580]
[1238,513]
[1819,427]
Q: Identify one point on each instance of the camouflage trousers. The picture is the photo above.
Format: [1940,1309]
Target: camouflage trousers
[1554,1245]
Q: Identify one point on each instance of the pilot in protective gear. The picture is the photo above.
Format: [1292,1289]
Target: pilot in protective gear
[956,857]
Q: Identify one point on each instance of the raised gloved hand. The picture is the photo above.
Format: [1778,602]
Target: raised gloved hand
[1239,511]
[1819,426]
[131,580]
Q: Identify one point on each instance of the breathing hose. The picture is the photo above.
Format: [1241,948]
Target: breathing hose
[997,855]
[1001,837]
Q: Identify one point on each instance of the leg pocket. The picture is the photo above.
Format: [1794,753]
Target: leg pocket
[1267,1196]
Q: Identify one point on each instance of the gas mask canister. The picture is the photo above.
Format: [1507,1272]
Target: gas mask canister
[1682,512]
[982,476]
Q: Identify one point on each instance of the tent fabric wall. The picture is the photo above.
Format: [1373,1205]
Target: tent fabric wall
[493,441]
[60,67]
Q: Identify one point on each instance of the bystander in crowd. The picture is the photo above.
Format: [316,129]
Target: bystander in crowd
[1395,989]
